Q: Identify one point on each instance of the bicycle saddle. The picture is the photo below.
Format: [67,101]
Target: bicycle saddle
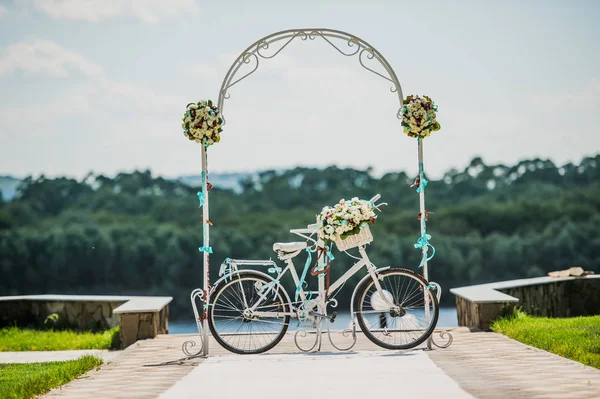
[289,247]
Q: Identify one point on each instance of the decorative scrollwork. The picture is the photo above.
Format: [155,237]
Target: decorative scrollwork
[444,335]
[197,294]
[264,45]
[345,333]
[351,42]
[370,55]
[260,49]
[303,334]
[246,59]
[188,345]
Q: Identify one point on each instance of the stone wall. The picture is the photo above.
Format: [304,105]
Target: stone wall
[80,315]
[579,297]
[478,315]
[478,306]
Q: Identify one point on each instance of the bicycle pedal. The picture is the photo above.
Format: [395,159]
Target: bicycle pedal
[333,316]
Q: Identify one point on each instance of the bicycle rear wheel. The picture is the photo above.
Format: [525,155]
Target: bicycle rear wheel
[403,316]
[235,327]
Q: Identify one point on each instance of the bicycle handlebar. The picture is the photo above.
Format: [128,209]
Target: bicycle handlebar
[375,198]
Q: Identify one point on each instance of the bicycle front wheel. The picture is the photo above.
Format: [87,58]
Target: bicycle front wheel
[400,316]
[233,317]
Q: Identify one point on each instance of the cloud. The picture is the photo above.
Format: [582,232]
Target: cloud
[587,95]
[147,11]
[45,57]
[92,107]
[3,11]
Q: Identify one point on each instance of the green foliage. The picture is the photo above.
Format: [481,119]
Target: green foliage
[23,381]
[52,318]
[13,339]
[575,338]
[137,234]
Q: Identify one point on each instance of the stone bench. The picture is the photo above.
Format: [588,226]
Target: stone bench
[139,317]
[477,306]
[142,318]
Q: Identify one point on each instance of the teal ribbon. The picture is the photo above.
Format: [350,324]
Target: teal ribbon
[422,185]
[200,198]
[229,269]
[208,250]
[306,267]
[424,245]
[430,287]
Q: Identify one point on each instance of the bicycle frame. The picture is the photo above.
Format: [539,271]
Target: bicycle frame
[319,300]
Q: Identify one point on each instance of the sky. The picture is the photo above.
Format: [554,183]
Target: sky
[101,85]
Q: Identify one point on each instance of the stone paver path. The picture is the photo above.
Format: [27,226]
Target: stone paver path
[128,377]
[484,365]
[490,365]
[55,356]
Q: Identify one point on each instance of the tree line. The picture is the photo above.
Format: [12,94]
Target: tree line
[138,234]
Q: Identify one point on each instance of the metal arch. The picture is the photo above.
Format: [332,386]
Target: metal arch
[260,49]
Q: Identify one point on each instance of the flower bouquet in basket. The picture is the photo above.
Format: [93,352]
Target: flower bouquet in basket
[346,223]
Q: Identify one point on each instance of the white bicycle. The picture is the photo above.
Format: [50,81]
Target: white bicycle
[250,310]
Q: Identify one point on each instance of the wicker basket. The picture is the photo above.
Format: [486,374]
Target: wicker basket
[362,238]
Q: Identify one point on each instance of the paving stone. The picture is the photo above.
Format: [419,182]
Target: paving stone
[486,365]
[489,365]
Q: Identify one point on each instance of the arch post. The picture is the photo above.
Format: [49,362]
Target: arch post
[206,252]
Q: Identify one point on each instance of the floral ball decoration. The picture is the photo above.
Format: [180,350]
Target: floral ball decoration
[344,219]
[418,116]
[202,123]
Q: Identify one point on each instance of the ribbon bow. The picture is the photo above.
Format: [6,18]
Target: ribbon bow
[424,245]
[200,198]
[208,250]
[275,269]
[422,185]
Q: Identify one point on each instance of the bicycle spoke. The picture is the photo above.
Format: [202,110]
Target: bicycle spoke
[405,324]
[234,321]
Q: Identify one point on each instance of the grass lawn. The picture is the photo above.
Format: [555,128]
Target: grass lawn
[16,339]
[32,379]
[576,338]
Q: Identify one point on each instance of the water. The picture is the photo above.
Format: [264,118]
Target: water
[447,319]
